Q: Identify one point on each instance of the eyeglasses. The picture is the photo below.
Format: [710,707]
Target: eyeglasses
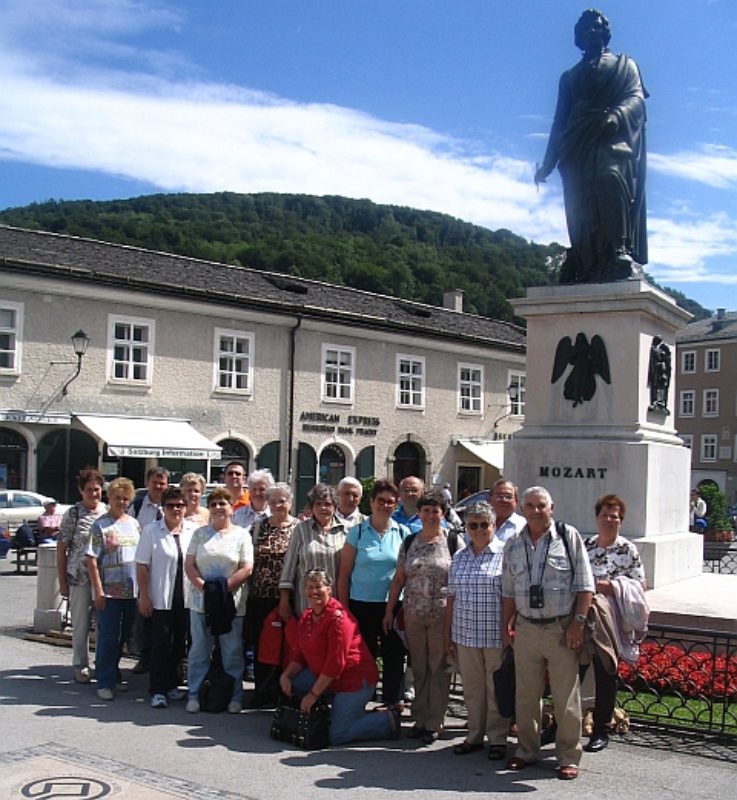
[505,498]
[483,525]
[173,505]
[385,501]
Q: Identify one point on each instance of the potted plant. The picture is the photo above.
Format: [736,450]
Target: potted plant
[719,527]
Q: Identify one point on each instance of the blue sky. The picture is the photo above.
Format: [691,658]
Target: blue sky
[437,104]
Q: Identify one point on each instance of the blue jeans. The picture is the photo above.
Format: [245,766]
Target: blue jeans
[114,624]
[231,649]
[349,720]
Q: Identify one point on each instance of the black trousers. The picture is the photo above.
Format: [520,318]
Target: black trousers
[605,696]
[169,631]
[389,646]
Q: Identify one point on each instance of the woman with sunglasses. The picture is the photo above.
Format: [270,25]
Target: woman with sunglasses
[473,619]
[162,592]
[368,562]
[221,552]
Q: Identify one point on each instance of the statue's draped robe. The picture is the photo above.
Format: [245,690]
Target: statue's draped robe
[603,173]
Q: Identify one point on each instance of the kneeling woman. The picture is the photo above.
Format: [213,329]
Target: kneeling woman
[330,659]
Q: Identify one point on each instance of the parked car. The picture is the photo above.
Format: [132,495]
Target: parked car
[19,505]
[477,497]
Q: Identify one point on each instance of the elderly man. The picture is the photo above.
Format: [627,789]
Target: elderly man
[147,508]
[49,522]
[258,482]
[411,490]
[235,483]
[350,492]
[504,499]
[547,588]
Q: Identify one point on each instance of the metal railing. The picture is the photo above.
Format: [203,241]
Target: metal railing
[720,558]
[685,679]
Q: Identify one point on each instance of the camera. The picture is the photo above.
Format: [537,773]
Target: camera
[536,596]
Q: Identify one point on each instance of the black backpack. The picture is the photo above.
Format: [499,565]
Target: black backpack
[217,688]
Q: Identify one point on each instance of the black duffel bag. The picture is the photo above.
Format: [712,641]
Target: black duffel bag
[308,731]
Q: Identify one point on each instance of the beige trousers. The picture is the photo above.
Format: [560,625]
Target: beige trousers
[432,680]
[537,647]
[477,666]
[81,608]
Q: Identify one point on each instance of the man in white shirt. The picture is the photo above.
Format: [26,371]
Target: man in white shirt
[148,508]
[504,499]
[350,492]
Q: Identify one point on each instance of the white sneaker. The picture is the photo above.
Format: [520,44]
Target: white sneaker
[193,706]
[235,707]
[82,675]
[176,694]
[158,701]
[105,694]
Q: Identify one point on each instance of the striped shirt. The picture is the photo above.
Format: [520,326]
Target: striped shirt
[475,583]
[310,548]
[546,564]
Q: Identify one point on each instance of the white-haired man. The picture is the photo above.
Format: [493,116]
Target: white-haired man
[547,588]
[258,482]
[350,493]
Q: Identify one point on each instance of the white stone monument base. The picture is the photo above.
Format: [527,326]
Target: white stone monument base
[46,616]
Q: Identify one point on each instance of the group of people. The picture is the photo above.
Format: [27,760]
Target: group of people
[404,583]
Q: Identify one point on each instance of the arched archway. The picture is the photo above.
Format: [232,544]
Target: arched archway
[409,459]
[233,450]
[13,459]
[332,464]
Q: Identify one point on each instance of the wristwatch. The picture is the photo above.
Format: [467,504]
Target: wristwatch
[580,618]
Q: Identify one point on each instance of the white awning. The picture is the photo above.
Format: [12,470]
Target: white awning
[488,450]
[148,437]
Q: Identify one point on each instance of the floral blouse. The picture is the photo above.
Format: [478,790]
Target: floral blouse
[426,566]
[270,544]
[620,558]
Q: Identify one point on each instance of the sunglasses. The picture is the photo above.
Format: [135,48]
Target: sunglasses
[472,526]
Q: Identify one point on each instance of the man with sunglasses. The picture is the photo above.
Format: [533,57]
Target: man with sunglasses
[235,483]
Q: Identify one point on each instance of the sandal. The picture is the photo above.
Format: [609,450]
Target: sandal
[464,748]
[568,773]
[497,752]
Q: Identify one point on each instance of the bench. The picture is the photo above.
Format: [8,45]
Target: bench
[25,559]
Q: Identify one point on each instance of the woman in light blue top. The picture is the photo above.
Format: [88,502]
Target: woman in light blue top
[368,562]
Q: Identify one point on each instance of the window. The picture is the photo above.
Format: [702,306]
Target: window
[687,440]
[712,361]
[337,373]
[470,388]
[131,345]
[688,361]
[516,394]
[410,381]
[233,361]
[708,447]
[711,402]
[11,334]
[687,403]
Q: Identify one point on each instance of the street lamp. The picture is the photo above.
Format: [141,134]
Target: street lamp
[80,342]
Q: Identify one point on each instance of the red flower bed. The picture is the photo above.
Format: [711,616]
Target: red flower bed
[670,668]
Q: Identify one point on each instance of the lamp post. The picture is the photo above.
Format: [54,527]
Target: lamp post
[80,342]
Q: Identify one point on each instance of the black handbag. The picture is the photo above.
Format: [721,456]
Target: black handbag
[308,731]
[216,690]
[505,684]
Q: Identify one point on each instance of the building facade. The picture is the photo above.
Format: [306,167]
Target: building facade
[192,363]
[706,392]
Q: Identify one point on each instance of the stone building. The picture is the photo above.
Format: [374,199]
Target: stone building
[706,384]
[191,363]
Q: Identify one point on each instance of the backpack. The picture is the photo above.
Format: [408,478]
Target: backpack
[217,688]
[452,537]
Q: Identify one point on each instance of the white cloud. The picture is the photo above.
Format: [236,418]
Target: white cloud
[713,164]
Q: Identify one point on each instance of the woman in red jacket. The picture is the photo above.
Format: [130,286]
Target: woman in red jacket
[330,659]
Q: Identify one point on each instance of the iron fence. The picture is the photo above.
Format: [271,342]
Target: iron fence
[685,679]
[720,558]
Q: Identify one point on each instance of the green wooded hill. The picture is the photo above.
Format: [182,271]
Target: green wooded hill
[393,250]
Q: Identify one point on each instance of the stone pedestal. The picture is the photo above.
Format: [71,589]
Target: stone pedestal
[612,443]
[46,616]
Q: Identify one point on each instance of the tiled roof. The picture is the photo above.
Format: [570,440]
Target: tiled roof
[711,329]
[87,260]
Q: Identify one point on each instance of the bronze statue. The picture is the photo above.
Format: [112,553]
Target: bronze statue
[658,375]
[598,144]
